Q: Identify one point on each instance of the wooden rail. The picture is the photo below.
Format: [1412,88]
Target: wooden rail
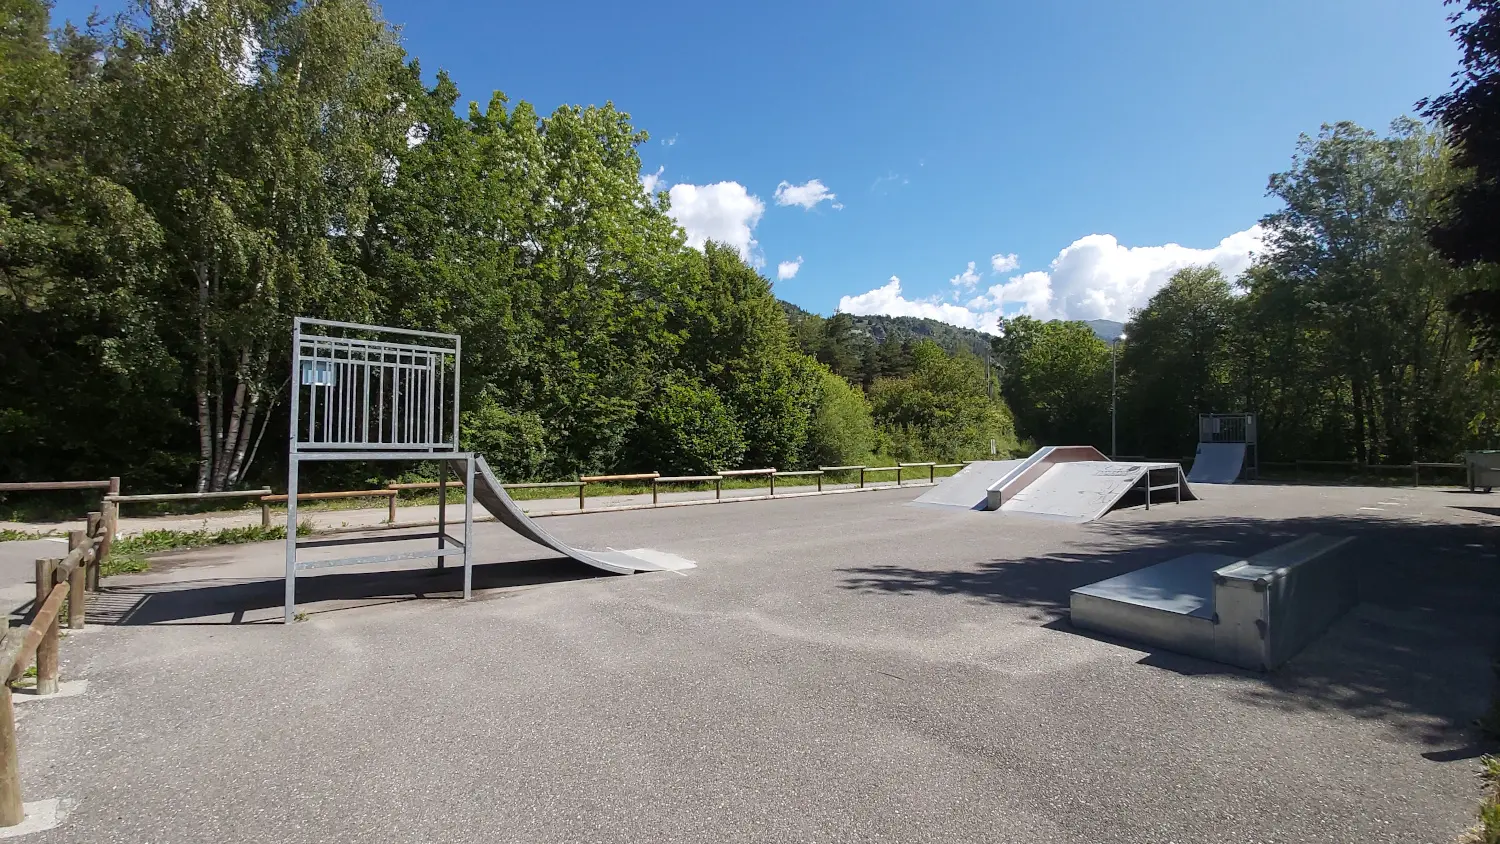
[58,581]
[717,480]
[931,471]
[863,470]
[818,473]
[112,486]
[388,494]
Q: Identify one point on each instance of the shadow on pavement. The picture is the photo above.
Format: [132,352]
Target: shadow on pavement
[225,601]
[1415,652]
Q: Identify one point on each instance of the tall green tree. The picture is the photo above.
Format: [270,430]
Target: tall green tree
[1179,361]
[1055,376]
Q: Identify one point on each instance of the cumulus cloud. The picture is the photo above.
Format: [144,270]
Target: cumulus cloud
[723,211]
[669,142]
[788,269]
[1095,277]
[653,182]
[888,299]
[1004,263]
[807,195]
[967,279]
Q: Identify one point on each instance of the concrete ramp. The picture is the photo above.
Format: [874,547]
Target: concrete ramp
[490,495]
[968,488]
[1255,613]
[1218,463]
[1082,491]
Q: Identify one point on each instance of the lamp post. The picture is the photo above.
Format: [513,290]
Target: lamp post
[1114,371]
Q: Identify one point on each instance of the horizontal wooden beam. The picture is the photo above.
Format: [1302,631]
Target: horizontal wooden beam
[37,629]
[324,496]
[44,486]
[730,473]
[687,479]
[598,479]
[188,496]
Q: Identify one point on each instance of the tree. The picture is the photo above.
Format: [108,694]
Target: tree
[842,431]
[1055,377]
[941,411]
[1179,361]
[1470,112]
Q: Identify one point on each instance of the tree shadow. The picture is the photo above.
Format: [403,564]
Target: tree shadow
[1415,652]
[236,601]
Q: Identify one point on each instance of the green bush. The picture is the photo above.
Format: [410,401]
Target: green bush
[841,432]
[514,443]
[690,429]
[942,411]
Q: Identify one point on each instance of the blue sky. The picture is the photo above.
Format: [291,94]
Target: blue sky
[1082,137]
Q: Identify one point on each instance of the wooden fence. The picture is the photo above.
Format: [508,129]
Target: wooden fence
[58,582]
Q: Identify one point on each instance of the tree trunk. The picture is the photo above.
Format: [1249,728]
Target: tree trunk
[200,379]
[231,438]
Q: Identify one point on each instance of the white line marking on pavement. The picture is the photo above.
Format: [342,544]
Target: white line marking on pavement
[39,817]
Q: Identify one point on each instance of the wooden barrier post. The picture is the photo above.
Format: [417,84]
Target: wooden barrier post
[76,577]
[581,486]
[861,477]
[46,650]
[109,519]
[718,489]
[11,811]
[1416,475]
[820,482]
[265,516]
[898,475]
[653,490]
[773,483]
[932,473]
[391,506]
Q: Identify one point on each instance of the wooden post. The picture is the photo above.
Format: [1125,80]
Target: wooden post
[265,516]
[109,524]
[718,488]
[653,490]
[76,577]
[772,476]
[820,482]
[391,508]
[46,650]
[581,486]
[11,811]
[898,476]
[861,477]
[1416,475]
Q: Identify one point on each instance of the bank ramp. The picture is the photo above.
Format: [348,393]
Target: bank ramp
[1082,491]
[967,489]
[489,494]
[1218,463]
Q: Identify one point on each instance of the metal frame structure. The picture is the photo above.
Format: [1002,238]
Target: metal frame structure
[368,392]
[1233,428]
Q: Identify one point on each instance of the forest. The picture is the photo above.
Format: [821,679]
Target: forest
[178,183]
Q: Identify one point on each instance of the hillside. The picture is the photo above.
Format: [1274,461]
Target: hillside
[883,329]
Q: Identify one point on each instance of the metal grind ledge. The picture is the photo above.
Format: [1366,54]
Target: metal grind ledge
[1255,613]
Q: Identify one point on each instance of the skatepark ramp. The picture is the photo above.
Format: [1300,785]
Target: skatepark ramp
[1082,491]
[1218,463]
[490,495]
[1254,613]
[1073,483]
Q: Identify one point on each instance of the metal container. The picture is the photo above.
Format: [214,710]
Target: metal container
[1484,469]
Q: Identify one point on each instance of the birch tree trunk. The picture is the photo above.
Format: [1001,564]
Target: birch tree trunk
[200,381]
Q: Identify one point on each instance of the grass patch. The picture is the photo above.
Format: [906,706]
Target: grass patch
[131,554]
[9,535]
[1488,829]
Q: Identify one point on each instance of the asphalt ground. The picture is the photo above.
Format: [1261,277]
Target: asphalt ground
[837,669]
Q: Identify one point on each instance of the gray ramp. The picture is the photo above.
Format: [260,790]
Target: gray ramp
[1217,463]
[490,495]
[1169,605]
[967,488]
[1085,490]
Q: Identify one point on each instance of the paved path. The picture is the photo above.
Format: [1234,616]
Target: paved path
[841,668]
[377,516]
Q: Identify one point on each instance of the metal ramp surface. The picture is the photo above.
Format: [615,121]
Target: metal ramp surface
[968,488]
[490,495]
[1218,463]
[1083,491]
[1169,605]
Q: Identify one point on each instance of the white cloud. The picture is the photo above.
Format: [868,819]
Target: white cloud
[653,182]
[723,211]
[1096,277]
[807,196]
[891,178]
[668,142]
[788,269]
[1004,263]
[888,300]
[967,279]
[1093,278]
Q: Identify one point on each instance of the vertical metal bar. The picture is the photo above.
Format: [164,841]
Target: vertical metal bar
[469,529]
[429,436]
[442,397]
[291,476]
[458,385]
[442,507]
[364,436]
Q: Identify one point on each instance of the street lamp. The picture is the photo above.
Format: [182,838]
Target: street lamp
[1113,382]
